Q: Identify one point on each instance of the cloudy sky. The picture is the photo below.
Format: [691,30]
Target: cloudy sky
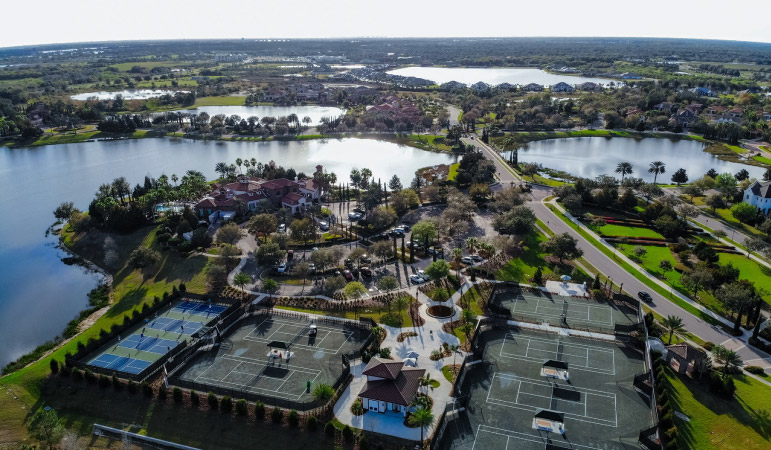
[56,21]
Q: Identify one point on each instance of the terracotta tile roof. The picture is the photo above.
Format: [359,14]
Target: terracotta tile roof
[400,390]
[291,198]
[278,183]
[383,368]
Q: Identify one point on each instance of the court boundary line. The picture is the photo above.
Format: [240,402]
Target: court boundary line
[585,368]
[519,436]
[522,407]
[611,323]
[347,334]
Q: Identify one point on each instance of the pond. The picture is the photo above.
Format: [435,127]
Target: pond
[314,112]
[128,94]
[40,294]
[590,157]
[493,75]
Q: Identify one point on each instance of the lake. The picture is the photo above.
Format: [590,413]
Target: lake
[314,112]
[40,293]
[128,94]
[492,75]
[590,157]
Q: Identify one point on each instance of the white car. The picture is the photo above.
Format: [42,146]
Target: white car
[281,267]
[282,228]
[477,258]
[467,260]
[417,279]
[422,274]
[354,216]
[323,226]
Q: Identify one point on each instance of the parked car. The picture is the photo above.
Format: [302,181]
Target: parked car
[348,275]
[289,254]
[396,232]
[644,296]
[422,274]
[312,268]
[365,271]
[365,259]
[282,268]
[477,258]
[282,228]
[323,226]
[417,279]
[467,260]
[354,216]
[358,210]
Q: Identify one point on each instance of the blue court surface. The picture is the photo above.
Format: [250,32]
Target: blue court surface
[148,344]
[175,325]
[120,363]
[198,308]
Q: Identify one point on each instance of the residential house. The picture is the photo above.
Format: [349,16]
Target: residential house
[589,87]
[759,194]
[273,95]
[532,87]
[480,87]
[665,107]
[390,386]
[562,87]
[703,92]
[685,117]
[684,359]
[452,86]
[505,87]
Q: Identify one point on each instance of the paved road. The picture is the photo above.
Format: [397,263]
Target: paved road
[608,267]
[454,112]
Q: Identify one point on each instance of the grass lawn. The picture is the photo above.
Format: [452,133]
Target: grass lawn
[219,100]
[453,172]
[743,422]
[762,159]
[379,315]
[623,230]
[131,289]
[522,268]
[72,137]
[726,215]
[750,270]
[651,260]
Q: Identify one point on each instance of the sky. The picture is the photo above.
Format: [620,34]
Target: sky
[56,21]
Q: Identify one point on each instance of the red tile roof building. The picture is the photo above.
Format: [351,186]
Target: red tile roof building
[390,386]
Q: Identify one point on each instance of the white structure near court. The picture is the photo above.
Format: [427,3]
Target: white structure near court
[390,386]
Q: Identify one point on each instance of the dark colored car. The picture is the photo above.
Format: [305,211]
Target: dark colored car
[365,271]
[348,275]
[644,296]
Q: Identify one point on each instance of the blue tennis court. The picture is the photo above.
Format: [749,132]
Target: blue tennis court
[148,344]
[176,325]
[120,363]
[199,308]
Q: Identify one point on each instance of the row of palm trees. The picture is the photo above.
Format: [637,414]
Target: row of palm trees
[656,167]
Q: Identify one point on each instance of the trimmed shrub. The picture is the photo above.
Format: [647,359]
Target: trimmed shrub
[116,384]
[176,394]
[347,434]
[276,415]
[65,370]
[212,400]
[241,408]
[226,405]
[293,419]
[363,443]
[147,389]
[54,364]
[312,423]
[708,346]
[671,433]
[162,393]
[756,370]
[132,387]
[195,399]
[259,410]
[89,376]
[329,429]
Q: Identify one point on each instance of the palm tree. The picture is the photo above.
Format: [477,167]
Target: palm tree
[174,178]
[673,324]
[241,279]
[401,302]
[239,162]
[455,349]
[656,168]
[423,418]
[222,169]
[472,244]
[457,255]
[323,392]
[624,168]
[427,381]
[728,358]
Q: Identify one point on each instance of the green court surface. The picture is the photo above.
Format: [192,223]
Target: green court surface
[599,406]
[242,366]
[578,313]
